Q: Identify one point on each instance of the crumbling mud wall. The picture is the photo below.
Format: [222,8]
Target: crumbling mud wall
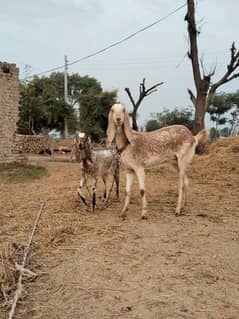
[10,148]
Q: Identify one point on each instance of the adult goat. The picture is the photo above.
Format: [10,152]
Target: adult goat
[96,163]
[140,150]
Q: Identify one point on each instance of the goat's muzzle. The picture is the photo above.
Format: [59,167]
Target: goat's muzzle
[118,121]
[81,146]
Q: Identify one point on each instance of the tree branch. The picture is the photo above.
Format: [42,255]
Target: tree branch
[142,94]
[231,67]
[153,88]
[130,96]
[192,97]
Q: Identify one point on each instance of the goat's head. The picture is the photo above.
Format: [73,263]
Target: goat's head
[83,145]
[118,117]
[117,114]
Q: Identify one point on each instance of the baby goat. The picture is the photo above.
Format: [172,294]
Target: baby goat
[96,163]
[140,150]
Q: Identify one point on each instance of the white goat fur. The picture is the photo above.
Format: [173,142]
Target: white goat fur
[96,163]
[140,150]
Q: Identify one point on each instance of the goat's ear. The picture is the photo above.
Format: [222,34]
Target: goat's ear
[110,130]
[127,128]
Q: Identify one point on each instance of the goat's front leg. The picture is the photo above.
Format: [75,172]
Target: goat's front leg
[129,181]
[117,181]
[80,189]
[141,179]
[72,153]
[181,191]
[93,206]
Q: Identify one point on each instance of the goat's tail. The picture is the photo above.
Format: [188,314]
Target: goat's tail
[202,137]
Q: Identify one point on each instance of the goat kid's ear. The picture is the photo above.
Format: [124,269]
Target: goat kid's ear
[110,130]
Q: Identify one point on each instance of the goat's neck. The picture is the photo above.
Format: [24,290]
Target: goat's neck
[121,139]
[86,156]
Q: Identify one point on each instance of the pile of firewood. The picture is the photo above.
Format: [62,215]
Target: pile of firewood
[36,144]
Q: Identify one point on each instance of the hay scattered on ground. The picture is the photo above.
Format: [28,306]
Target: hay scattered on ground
[104,241]
[10,253]
[225,145]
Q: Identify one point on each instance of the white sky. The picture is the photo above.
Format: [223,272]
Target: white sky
[39,34]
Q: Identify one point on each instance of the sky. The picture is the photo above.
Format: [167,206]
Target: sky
[39,34]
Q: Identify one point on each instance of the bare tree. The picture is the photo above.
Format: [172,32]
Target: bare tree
[234,123]
[205,89]
[142,94]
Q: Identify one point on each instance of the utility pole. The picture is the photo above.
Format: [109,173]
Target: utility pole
[66,94]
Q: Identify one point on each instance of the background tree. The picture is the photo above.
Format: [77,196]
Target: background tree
[77,85]
[142,94]
[234,121]
[205,89]
[32,115]
[220,104]
[168,117]
[94,110]
[42,104]
[224,132]
[152,124]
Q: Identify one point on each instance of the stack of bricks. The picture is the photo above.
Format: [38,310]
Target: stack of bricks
[10,150]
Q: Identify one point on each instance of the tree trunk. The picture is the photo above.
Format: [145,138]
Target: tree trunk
[198,124]
[134,121]
[65,128]
[234,124]
[217,124]
[205,89]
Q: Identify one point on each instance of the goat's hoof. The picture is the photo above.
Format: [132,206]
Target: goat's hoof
[93,209]
[177,213]
[144,217]
[123,215]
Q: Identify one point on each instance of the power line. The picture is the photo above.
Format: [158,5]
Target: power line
[110,46]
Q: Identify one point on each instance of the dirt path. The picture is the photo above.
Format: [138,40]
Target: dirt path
[94,266]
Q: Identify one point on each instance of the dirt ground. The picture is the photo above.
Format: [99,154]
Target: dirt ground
[95,266]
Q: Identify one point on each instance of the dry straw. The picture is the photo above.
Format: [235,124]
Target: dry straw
[21,268]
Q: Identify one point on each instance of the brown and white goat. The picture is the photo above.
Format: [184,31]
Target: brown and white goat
[140,150]
[96,163]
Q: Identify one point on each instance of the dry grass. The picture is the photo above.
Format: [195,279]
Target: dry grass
[9,255]
[18,172]
[85,256]
[226,145]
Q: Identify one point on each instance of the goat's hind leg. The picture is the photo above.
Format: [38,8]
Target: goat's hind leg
[141,179]
[185,190]
[183,185]
[106,180]
[129,181]
[93,204]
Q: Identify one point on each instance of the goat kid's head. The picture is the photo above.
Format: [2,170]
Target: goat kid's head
[83,145]
[118,117]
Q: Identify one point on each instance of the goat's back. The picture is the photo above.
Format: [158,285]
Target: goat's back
[104,161]
[149,148]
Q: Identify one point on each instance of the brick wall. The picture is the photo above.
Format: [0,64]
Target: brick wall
[10,150]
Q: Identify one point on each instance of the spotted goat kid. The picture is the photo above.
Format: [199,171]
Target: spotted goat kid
[96,163]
